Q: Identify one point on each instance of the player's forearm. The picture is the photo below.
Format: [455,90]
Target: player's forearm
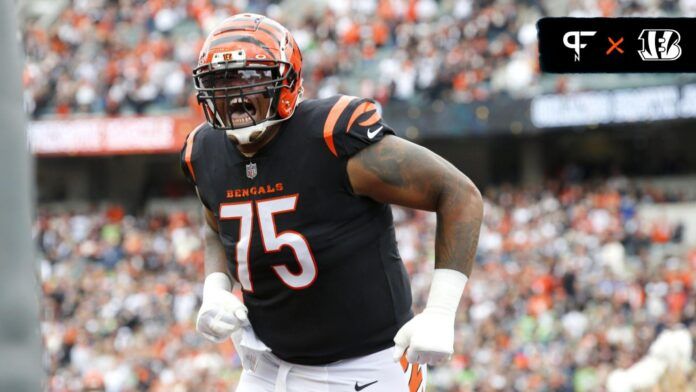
[221,313]
[214,255]
[399,172]
[429,336]
[459,214]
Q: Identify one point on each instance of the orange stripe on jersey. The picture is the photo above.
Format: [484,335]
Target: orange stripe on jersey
[189,151]
[361,109]
[372,120]
[331,120]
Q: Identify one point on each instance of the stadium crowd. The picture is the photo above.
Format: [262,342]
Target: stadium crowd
[570,283]
[135,56]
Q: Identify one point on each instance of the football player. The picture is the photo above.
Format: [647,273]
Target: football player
[296,196]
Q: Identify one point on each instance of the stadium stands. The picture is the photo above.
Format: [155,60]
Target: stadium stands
[136,56]
[571,283]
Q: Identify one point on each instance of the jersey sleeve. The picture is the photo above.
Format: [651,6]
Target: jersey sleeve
[353,124]
[188,161]
[186,158]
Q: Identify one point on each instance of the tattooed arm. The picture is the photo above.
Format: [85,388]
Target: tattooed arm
[399,172]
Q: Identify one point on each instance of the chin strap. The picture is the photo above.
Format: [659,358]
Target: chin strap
[243,134]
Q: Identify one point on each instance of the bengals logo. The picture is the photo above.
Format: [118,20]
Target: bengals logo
[660,45]
[367,112]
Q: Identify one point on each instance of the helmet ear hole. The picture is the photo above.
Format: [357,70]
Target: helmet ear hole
[289,94]
[285,104]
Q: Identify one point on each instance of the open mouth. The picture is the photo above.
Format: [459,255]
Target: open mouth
[242,111]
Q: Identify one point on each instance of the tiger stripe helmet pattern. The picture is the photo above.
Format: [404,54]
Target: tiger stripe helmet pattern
[248,42]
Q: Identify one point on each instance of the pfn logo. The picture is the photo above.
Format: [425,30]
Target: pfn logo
[660,45]
[576,45]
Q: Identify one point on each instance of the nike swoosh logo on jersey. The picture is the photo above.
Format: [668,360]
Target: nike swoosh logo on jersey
[361,387]
[372,134]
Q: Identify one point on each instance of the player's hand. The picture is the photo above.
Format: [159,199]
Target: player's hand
[221,312]
[428,338]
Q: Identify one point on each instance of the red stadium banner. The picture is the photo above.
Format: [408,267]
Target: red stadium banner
[110,136]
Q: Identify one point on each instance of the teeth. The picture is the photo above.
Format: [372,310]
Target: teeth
[241,121]
[239,117]
[240,100]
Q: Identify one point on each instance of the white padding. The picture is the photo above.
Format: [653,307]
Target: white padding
[446,290]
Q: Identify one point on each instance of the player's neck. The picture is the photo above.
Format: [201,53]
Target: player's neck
[249,150]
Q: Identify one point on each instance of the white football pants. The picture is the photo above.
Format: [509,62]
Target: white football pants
[264,372]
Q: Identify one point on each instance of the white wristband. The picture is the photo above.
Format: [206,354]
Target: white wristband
[446,290]
[216,281]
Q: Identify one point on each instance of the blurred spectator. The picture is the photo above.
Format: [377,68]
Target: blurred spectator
[132,56]
[569,288]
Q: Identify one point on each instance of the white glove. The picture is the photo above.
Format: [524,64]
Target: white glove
[221,313]
[428,338]
[249,347]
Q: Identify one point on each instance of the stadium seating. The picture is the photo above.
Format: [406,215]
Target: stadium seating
[136,57]
[571,284]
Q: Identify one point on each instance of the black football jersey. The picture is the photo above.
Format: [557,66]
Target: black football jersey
[319,266]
